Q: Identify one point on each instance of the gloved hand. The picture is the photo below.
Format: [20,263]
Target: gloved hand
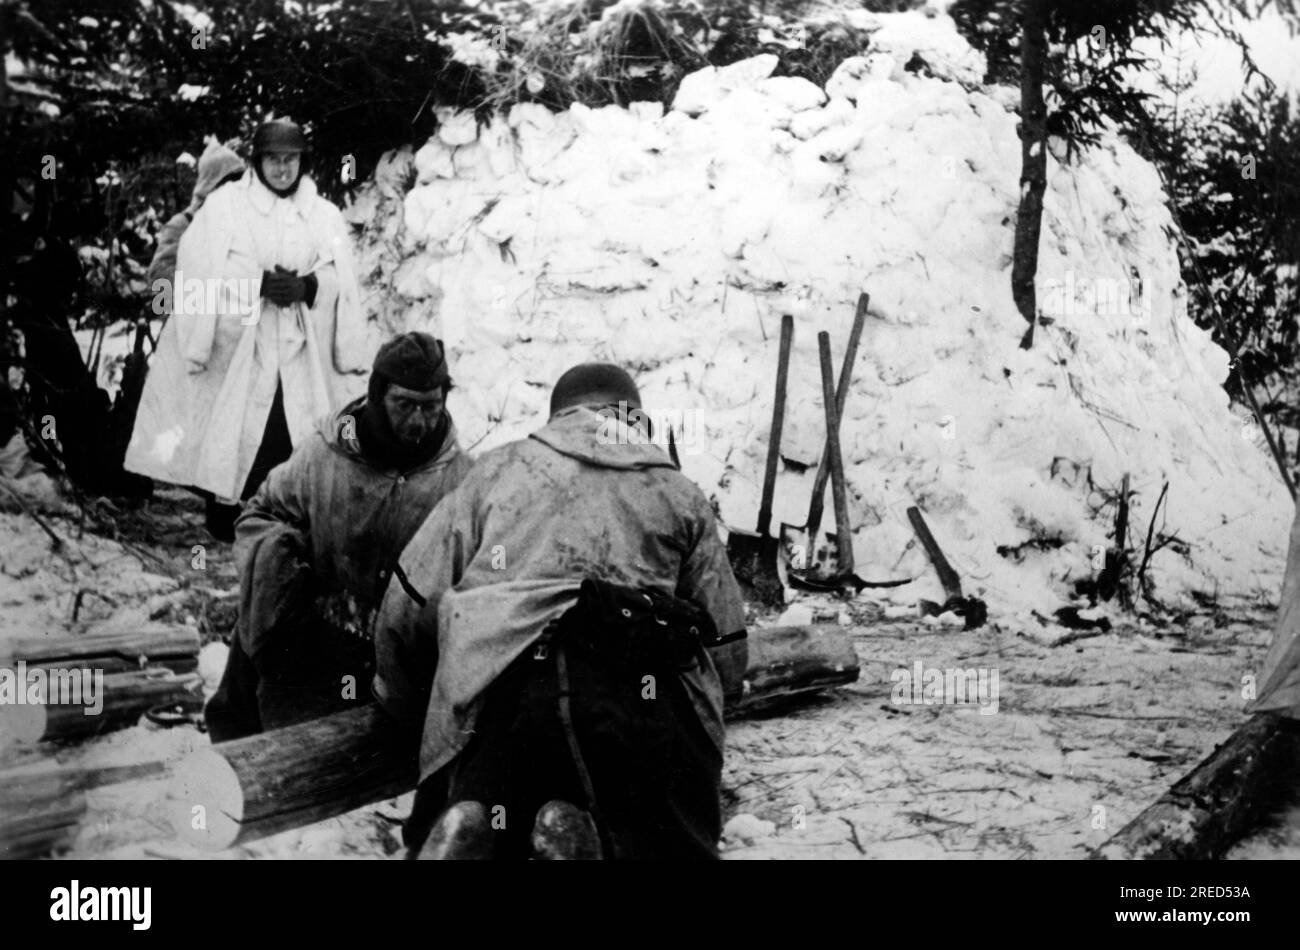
[298,611]
[287,651]
[283,287]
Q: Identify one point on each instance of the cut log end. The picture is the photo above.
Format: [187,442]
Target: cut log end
[205,802]
[20,725]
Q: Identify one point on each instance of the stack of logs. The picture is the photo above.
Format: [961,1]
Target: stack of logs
[114,679]
[141,669]
[240,791]
[244,790]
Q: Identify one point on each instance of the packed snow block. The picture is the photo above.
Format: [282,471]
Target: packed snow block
[747,111]
[838,111]
[849,78]
[835,144]
[935,39]
[1208,810]
[541,143]
[433,161]
[615,124]
[633,235]
[884,105]
[512,216]
[793,92]
[472,162]
[498,142]
[706,88]
[456,128]
[411,280]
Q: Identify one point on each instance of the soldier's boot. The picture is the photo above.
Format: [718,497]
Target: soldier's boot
[463,833]
[564,832]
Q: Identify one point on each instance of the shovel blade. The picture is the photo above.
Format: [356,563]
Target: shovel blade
[754,560]
[795,548]
[807,561]
[823,565]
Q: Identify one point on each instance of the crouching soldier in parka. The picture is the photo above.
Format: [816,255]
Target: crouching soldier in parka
[317,544]
[563,643]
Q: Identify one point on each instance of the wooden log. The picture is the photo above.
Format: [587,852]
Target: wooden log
[172,646]
[122,698]
[1207,811]
[787,662]
[240,791]
[46,782]
[41,808]
[40,828]
[250,788]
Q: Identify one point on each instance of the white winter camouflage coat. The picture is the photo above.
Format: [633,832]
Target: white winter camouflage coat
[213,377]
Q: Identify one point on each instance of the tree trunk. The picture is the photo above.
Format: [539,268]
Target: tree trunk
[1033,161]
[1112,579]
[1207,811]
[8,229]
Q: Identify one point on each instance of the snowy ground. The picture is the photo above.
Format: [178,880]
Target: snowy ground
[1087,732]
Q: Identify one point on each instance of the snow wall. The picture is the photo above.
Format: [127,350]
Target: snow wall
[672,243]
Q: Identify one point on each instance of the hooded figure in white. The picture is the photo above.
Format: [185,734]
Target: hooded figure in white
[216,166]
[266,298]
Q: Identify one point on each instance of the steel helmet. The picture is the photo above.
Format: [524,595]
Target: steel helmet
[279,135]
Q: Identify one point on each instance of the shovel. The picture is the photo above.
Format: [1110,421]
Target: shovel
[821,576]
[754,555]
[844,576]
[798,541]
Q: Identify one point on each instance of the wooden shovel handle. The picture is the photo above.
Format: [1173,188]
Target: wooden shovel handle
[843,530]
[841,396]
[778,423]
[947,576]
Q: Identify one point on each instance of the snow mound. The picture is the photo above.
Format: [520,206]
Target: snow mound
[672,243]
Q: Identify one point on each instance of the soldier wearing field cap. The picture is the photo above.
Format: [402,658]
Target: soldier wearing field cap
[317,544]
